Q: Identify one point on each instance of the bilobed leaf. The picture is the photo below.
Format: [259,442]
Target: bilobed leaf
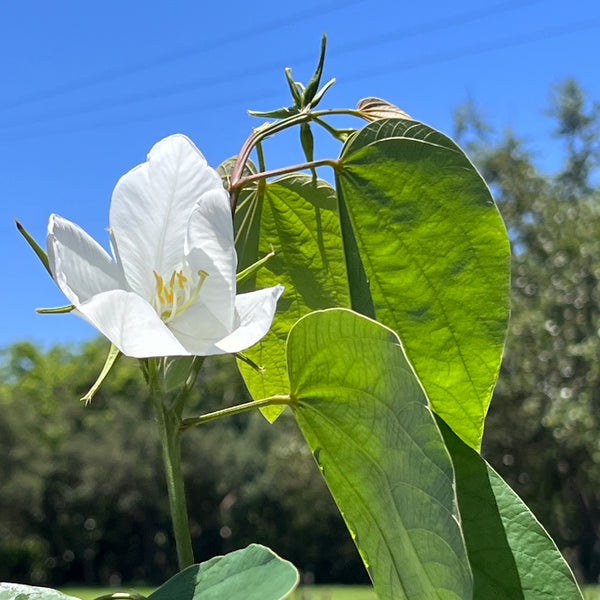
[299,221]
[254,573]
[366,419]
[436,254]
[16,591]
[512,556]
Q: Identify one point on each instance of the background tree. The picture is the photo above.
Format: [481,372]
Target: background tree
[77,503]
[543,431]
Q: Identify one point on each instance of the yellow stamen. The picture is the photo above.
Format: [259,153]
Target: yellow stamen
[159,286]
[175,296]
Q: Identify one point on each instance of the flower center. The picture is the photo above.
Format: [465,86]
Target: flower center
[176,294]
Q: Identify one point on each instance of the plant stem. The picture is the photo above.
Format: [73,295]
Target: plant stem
[234,410]
[267,130]
[324,162]
[170,437]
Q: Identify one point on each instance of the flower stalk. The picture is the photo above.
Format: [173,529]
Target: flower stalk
[169,425]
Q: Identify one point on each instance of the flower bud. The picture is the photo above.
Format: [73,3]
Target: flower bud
[373,109]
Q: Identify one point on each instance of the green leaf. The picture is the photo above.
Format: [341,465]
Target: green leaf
[254,573]
[511,554]
[246,219]
[366,419]
[436,254]
[225,169]
[298,219]
[16,591]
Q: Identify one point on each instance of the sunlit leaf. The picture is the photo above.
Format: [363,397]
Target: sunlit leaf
[299,221]
[16,591]
[436,254]
[366,419]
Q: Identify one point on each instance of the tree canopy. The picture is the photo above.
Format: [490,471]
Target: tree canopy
[544,422]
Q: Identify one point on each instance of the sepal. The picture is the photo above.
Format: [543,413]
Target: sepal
[40,252]
[113,355]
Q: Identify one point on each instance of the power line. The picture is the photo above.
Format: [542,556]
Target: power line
[501,44]
[436,25]
[143,118]
[424,61]
[231,37]
[371,41]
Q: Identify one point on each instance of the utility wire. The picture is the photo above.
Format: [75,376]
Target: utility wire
[436,25]
[501,44]
[424,61]
[231,37]
[197,107]
[354,46]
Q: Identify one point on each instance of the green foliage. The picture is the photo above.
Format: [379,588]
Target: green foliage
[15,591]
[437,258]
[366,419]
[254,573]
[298,218]
[425,251]
[511,554]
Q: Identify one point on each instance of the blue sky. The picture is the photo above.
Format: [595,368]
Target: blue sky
[89,87]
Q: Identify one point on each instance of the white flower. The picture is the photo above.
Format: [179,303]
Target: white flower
[171,289]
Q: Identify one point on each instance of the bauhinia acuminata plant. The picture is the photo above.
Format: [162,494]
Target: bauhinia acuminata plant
[374,308]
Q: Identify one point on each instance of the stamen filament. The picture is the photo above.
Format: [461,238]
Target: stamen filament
[168,302]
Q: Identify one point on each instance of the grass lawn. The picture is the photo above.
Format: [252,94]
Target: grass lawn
[591,592]
[313,592]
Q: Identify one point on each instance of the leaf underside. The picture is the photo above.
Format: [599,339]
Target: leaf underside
[511,555]
[366,419]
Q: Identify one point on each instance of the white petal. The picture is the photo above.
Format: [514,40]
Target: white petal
[151,207]
[79,265]
[255,312]
[197,328]
[210,247]
[131,324]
